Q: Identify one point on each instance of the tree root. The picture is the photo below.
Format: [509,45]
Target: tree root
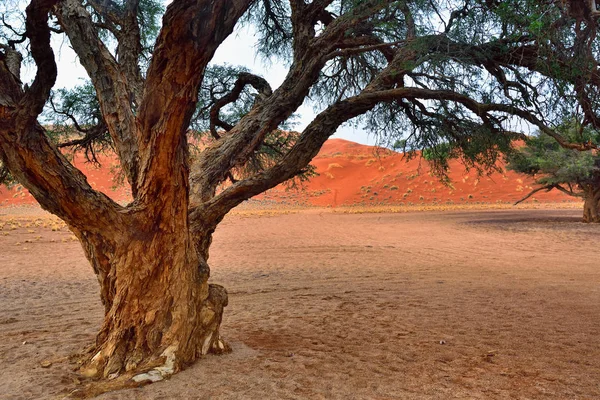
[98,380]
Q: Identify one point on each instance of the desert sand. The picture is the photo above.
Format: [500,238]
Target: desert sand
[351,174]
[496,304]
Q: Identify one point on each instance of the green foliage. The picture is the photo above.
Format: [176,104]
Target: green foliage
[74,116]
[80,102]
[440,153]
[149,14]
[399,145]
[271,18]
[544,158]
[5,177]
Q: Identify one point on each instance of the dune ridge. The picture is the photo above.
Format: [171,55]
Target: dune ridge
[351,174]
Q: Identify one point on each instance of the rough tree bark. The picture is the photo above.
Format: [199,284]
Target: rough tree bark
[160,312]
[591,203]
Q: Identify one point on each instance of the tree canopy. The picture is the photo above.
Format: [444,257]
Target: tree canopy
[576,173]
[530,63]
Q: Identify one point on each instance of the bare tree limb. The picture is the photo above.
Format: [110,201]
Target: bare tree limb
[183,49]
[244,79]
[247,136]
[36,29]
[534,191]
[129,50]
[365,45]
[111,86]
[569,191]
[548,188]
[21,36]
[24,146]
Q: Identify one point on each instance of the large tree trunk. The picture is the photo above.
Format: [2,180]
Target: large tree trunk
[591,205]
[160,311]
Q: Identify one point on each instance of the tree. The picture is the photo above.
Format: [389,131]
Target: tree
[442,71]
[572,172]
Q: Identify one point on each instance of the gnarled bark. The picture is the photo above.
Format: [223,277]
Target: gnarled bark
[591,204]
[161,313]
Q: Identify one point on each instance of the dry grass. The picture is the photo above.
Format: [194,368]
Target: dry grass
[266,212]
[359,209]
[12,223]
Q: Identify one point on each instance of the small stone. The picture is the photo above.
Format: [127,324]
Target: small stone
[25,342]
[206,344]
[442,342]
[46,364]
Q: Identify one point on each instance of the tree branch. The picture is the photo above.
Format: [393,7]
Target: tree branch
[244,78]
[479,109]
[246,137]
[21,36]
[111,85]
[90,136]
[25,149]
[569,191]
[534,191]
[293,163]
[70,116]
[366,44]
[192,30]
[38,32]
[129,50]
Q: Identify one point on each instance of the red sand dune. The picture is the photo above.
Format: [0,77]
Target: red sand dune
[101,178]
[353,174]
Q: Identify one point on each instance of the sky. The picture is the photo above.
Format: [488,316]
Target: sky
[238,49]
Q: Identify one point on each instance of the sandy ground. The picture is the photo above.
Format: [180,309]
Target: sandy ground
[324,305]
[352,174]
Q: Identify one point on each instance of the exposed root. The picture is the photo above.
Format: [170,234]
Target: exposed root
[111,369]
[94,389]
[213,314]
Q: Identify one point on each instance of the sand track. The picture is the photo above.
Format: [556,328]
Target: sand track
[464,305]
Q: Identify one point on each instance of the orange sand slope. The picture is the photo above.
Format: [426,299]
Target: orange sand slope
[354,174]
[101,178]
